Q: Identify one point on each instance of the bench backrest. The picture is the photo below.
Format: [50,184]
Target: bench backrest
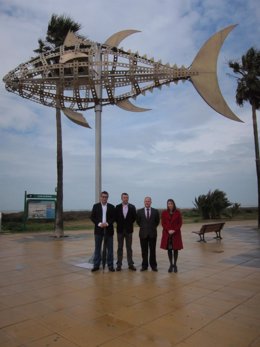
[211,227]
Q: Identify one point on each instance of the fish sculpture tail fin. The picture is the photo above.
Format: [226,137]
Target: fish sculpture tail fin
[204,74]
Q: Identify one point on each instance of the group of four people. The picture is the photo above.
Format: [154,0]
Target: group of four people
[104,215]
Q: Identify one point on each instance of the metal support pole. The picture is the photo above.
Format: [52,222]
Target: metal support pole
[98,111]
[98,168]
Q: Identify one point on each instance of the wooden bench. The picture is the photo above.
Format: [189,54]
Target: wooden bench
[208,228]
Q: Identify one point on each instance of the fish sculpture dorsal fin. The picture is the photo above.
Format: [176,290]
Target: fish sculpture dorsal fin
[76,117]
[128,106]
[116,38]
[73,40]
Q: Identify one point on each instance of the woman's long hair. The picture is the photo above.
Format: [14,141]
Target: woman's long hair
[174,205]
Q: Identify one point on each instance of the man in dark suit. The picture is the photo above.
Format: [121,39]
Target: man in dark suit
[148,219]
[125,218]
[103,216]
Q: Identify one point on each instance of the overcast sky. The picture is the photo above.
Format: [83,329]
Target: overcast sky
[180,149]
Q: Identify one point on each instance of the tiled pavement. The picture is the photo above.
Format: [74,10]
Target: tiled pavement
[49,297]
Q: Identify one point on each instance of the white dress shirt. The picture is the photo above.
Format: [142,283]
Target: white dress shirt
[125,210]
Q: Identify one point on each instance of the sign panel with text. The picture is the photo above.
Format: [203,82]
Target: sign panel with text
[41,209]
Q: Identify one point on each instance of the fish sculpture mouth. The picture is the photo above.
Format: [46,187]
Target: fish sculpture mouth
[71,76]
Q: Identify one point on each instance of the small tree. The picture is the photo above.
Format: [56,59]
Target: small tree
[248,89]
[219,202]
[202,205]
[235,209]
[211,205]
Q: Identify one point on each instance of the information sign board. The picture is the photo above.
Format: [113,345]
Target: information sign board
[41,209]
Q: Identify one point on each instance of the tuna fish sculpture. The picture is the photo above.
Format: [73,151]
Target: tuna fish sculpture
[81,74]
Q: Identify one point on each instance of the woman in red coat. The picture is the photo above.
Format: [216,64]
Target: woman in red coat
[171,235]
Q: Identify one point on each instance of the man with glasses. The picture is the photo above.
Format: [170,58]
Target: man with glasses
[103,217]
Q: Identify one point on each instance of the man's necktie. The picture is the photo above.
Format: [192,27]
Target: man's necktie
[148,213]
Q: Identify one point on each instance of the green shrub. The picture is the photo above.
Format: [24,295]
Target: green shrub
[211,205]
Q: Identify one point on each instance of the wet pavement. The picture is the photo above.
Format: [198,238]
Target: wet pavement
[49,296]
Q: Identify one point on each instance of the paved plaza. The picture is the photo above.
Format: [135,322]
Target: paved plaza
[50,298]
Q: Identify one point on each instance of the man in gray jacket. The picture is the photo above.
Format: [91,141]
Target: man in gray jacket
[148,219]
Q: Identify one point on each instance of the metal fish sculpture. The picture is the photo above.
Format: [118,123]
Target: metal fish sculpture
[81,74]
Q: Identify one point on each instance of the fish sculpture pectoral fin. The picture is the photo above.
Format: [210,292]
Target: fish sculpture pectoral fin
[128,106]
[116,38]
[205,81]
[76,117]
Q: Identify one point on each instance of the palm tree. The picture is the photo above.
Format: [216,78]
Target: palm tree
[211,205]
[248,89]
[58,27]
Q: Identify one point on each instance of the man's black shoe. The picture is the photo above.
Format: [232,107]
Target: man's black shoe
[132,267]
[143,269]
[155,269]
[118,268]
[95,269]
[111,269]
